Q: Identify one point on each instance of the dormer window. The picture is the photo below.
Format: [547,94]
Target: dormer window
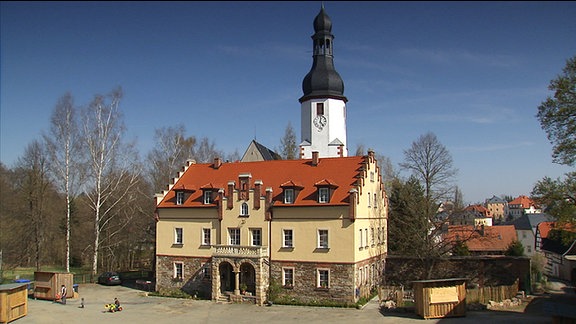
[290,191]
[207,197]
[288,196]
[323,195]
[179,197]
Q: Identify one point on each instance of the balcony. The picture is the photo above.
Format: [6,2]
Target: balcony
[240,251]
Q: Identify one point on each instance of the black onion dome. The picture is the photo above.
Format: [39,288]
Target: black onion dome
[322,81]
[322,22]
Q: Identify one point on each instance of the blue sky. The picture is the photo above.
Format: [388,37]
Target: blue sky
[473,73]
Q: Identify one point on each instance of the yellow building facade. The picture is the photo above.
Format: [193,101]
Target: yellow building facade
[314,229]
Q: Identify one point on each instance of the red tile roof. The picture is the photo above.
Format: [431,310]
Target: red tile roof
[479,209]
[523,201]
[544,228]
[340,174]
[494,239]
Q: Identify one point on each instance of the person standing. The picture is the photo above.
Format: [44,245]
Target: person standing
[63,292]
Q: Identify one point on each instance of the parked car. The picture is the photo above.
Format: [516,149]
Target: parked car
[109,278]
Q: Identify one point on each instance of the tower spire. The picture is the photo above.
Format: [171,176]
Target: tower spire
[323,81]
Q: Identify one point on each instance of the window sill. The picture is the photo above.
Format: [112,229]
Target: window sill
[322,249]
[322,288]
[287,248]
[177,245]
[288,287]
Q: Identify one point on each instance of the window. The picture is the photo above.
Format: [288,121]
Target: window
[323,195]
[323,278]
[371,176]
[179,197]
[206,236]
[322,239]
[288,277]
[287,238]
[244,209]
[234,236]
[207,271]
[288,196]
[366,236]
[320,108]
[369,200]
[361,239]
[207,197]
[375,201]
[178,235]
[256,236]
[178,270]
[372,236]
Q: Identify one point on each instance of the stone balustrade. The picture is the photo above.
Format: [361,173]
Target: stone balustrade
[240,251]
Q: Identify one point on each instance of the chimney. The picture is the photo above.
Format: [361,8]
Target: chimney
[217,163]
[257,193]
[315,158]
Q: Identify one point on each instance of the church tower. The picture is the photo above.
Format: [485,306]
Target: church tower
[323,105]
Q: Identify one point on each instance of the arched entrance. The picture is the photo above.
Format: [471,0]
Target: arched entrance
[248,277]
[226,277]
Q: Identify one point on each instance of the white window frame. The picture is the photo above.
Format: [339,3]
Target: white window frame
[244,209]
[232,233]
[319,280]
[288,196]
[323,195]
[179,197]
[284,277]
[178,270]
[253,231]
[284,241]
[178,235]
[323,243]
[207,197]
[206,236]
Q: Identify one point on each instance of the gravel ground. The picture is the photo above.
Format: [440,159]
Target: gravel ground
[140,308]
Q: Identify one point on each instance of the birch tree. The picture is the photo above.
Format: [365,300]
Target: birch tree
[112,167]
[63,151]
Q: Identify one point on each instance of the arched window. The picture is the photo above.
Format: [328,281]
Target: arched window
[244,209]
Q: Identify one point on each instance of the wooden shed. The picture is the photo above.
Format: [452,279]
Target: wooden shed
[47,284]
[13,301]
[440,298]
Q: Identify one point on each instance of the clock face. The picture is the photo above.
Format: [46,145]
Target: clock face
[320,122]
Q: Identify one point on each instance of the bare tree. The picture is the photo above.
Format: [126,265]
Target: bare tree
[206,151]
[33,188]
[431,163]
[63,150]
[113,171]
[171,150]
[288,146]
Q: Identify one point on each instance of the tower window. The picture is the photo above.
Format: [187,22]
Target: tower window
[320,108]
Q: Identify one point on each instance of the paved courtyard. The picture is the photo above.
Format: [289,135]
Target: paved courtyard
[142,309]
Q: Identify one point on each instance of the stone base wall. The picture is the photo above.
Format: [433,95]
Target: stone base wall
[195,281]
[342,287]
